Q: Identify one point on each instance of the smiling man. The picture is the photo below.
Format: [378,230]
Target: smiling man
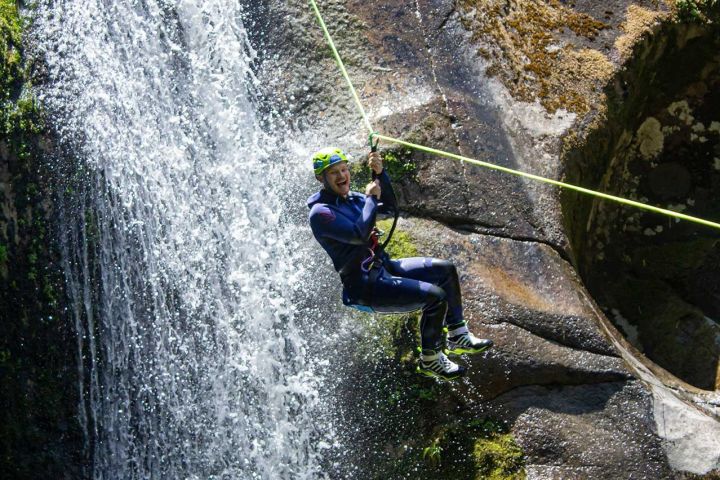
[343,222]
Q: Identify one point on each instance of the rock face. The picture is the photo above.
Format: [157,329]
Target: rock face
[571,400]
[561,77]
[40,434]
[556,88]
[665,272]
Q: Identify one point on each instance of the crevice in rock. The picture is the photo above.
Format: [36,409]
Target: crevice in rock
[594,380]
[491,230]
[446,18]
[656,278]
[556,341]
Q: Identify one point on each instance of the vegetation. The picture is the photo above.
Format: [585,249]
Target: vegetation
[497,455]
[698,11]
[398,163]
[40,435]
[19,114]
[401,245]
[433,452]
[434,436]
[525,45]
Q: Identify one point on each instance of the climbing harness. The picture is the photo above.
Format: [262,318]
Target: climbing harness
[367,264]
[441,153]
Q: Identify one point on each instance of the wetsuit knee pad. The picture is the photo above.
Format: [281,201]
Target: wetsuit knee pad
[446,265]
[434,294]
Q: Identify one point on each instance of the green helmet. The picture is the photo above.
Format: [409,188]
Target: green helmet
[327,157]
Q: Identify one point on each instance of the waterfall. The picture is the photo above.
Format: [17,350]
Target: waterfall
[180,265]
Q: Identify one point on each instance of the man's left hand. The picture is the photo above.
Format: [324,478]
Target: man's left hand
[375,162]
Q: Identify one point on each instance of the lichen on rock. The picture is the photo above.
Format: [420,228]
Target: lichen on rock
[540,50]
[650,138]
[639,21]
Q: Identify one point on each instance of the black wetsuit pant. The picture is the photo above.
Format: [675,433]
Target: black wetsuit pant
[410,284]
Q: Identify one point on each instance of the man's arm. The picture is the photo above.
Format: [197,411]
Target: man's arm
[326,223]
[387,195]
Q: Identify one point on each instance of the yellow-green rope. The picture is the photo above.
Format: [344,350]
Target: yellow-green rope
[625,201]
[551,181]
[341,65]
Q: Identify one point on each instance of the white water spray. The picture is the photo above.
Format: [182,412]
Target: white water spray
[179,264]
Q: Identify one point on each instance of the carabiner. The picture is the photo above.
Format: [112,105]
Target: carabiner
[373,145]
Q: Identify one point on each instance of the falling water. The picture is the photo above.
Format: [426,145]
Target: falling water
[180,266]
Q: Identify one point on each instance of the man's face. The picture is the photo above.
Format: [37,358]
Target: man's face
[337,178]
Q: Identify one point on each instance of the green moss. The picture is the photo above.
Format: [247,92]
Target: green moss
[401,245]
[482,449]
[498,457]
[10,41]
[385,335]
[398,163]
[433,453]
[49,291]
[698,11]
[516,39]
[3,254]
[20,117]
[425,439]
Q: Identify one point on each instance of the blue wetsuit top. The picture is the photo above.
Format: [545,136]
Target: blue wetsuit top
[343,225]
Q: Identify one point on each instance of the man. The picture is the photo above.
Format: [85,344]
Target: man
[343,222]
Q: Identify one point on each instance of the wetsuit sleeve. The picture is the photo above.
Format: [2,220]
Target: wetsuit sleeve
[387,195]
[325,223]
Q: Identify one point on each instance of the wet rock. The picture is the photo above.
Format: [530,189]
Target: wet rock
[553,365]
[657,274]
[587,431]
[41,435]
[523,283]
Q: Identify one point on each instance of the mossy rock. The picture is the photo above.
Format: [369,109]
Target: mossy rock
[698,11]
[398,163]
[392,337]
[498,457]
[402,244]
[434,437]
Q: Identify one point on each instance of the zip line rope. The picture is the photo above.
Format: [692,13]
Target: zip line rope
[341,65]
[441,153]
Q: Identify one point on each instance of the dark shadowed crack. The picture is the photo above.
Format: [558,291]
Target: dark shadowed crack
[551,385]
[446,18]
[491,231]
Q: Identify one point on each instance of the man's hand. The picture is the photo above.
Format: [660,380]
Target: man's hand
[375,162]
[373,188]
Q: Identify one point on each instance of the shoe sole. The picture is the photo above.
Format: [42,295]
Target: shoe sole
[463,351]
[431,374]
